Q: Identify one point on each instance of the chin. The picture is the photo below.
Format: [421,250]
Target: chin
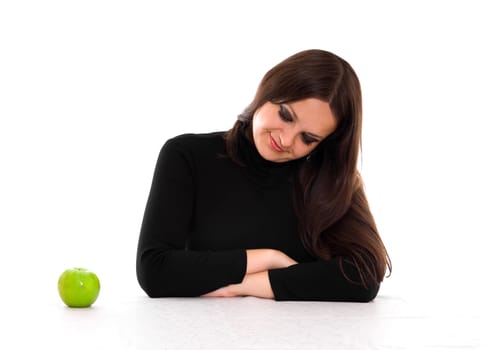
[281,160]
[277,160]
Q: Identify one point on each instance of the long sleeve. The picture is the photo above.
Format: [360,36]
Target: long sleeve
[336,279]
[319,281]
[165,266]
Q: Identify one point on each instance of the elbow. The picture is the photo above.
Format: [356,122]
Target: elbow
[366,294]
[149,289]
[145,280]
[152,293]
[158,277]
[359,288]
[148,278]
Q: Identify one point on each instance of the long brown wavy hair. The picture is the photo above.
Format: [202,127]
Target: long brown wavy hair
[335,220]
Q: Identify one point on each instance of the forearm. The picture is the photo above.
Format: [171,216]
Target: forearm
[188,273]
[320,281]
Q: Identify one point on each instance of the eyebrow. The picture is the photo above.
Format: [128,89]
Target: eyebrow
[297,118]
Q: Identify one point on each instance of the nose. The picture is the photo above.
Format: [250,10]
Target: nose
[287,137]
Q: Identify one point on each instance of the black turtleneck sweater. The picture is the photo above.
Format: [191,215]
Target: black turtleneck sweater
[204,211]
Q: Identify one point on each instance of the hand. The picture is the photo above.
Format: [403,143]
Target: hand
[283,260]
[254,284]
[258,260]
[224,292]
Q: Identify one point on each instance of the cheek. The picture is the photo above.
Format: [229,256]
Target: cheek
[258,129]
[256,123]
[265,119]
[303,150]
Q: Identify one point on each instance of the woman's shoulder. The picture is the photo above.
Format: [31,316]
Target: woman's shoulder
[190,140]
[198,138]
[197,143]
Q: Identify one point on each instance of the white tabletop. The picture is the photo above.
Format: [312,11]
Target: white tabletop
[139,322]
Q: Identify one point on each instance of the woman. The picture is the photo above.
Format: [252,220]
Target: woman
[274,207]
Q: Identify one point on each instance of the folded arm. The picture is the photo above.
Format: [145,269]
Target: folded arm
[256,281]
[313,281]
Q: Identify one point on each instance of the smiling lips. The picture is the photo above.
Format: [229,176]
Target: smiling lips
[274,145]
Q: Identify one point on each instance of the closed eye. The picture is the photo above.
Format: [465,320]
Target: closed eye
[308,140]
[285,114]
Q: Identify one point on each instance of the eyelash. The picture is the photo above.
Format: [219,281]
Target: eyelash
[308,140]
[286,117]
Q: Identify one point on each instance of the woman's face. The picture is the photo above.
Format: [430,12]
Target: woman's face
[284,132]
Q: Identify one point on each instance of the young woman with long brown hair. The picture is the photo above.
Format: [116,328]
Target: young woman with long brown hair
[274,207]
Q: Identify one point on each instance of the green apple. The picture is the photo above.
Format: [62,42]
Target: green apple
[78,287]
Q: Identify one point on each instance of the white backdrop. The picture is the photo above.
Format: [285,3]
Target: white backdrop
[90,90]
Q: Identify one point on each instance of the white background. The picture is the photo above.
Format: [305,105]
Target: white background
[90,90]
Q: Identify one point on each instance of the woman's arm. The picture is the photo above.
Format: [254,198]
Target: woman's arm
[164,266]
